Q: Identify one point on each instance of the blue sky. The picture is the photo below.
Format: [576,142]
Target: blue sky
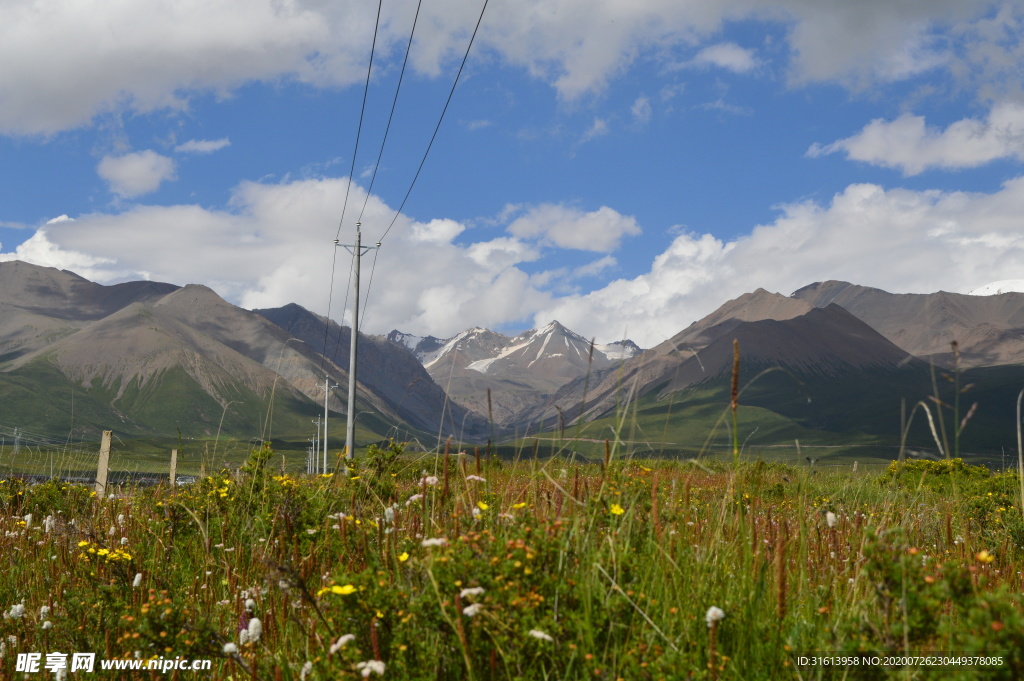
[624,166]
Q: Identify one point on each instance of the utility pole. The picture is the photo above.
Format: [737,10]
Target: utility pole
[327,393]
[357,252]
[314,451]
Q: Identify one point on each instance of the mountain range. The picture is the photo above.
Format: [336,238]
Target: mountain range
[832,362]
[145,358]
[502,377]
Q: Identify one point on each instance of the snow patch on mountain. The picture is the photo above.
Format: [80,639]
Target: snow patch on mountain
[997,287]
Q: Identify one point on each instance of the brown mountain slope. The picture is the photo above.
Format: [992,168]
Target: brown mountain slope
[805,339]
[141,337]
[988,329]
[39,305]
[390,371]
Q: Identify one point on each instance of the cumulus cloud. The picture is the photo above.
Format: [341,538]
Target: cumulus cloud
[911,146]
[898,240]
[202,146]
[601,230]
[136,173]
[273,246]
[79,60]
[729,56]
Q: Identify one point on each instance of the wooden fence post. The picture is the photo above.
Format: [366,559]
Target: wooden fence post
[104,464]
[174,466]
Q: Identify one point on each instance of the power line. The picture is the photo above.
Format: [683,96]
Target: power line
[419,169]
[451,93]
[348,188]
[394,104]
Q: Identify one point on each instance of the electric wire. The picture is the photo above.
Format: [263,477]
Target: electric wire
[419,169]
[391,116]
[355,152]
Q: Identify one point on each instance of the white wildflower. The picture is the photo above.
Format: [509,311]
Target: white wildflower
[120,518]
[44,612]
[255,629]
[61,674]
[250,605]
[230,648]
[537,633]
[439,541]
[284,585]
[473,591]
[17,611]
[370,667]
[476,478]
[830,518]
[341,642]
[306,669]
[124,540]
[47,624]
[413,499]
[112,531]
[243,636]
[429,480]
[28,520]
[137,582]
[714,615]
[49,522]
[473,610]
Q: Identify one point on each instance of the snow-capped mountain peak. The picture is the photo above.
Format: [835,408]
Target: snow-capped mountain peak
[997,287]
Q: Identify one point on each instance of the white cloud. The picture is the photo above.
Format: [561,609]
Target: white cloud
[38,249]
[136,173]
[600,230]
[594,268]
[641,110]
[273,246]
[911,146]
[202,146]
[79,59]
[898,240]
[728,56]
[598,129]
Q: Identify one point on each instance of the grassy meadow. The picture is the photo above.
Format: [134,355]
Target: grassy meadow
[452,566]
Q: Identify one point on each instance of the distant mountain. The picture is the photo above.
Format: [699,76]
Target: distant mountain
[817,374]
[387,369]
[989,329]
[145,359]
[519,371]
[773,331]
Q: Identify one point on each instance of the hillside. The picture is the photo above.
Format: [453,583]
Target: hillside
[989,329]
[146,359]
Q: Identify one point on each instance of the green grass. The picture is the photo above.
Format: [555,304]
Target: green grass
[550,569]
[855,416]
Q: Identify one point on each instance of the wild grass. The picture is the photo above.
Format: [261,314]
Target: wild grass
[450,566]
